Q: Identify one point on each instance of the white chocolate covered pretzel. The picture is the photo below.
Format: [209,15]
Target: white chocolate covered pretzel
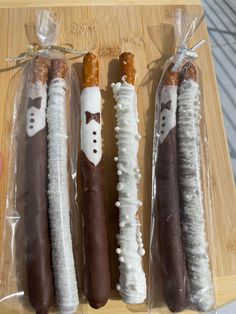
[58,192]
[193,221]
[132,283]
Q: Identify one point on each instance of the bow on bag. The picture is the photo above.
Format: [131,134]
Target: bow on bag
[92,116]
[46,31]
[37,49]
[183,52]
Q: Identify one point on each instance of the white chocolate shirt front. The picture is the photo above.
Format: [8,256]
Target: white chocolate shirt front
[36,117]
[168,103]
[91,142]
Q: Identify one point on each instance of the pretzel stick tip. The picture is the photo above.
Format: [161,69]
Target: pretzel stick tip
[58,69]
[128,71]
[189,72]
[170,77]
[90,70]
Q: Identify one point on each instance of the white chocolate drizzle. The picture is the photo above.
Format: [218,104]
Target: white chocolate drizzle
[59,203]
[193,221]
[132,282]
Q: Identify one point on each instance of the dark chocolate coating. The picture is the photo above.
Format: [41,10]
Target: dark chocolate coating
[38,247]
[96,269]
[173,267]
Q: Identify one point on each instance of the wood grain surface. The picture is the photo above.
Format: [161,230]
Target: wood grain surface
[147,32]
[53,3]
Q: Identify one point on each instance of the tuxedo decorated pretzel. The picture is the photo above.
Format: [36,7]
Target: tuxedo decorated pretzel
[173,268]
[38,247]
[96,268]
[58,191]
[132,282]
[191,195]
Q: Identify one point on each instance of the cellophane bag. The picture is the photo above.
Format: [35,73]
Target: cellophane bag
[180,275]
[41,257]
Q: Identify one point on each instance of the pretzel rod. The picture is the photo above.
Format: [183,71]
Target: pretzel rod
[97,272]
[58,191]
[38,248]
[132,282]
[193,221]
[173,266]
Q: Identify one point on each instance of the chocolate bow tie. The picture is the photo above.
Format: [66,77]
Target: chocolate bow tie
[92,116]
[166,106]
[36,102]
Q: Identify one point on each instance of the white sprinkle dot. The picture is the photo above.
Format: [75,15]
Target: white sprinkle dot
[120,186]
[118,250]
[135,288]
[121,259]
[122,224]
[117,204]
[141,252]
[139,240]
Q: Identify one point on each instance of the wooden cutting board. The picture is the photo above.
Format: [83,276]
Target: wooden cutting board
[147,32]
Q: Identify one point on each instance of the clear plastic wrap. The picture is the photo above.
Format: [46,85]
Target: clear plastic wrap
[180,276]
[40,261]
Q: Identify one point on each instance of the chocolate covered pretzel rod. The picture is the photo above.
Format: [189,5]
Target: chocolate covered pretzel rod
[96,268]
[189,161]
[132,282]
[38,248]
[58,191]
[173,266]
